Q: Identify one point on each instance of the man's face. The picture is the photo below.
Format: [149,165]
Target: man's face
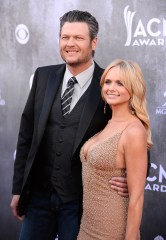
[75,44]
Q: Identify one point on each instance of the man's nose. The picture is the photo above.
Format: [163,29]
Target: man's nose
[71,41]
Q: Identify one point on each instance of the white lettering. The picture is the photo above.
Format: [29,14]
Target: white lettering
[149,42]
[152,179]
[149,30]
[148,187]
[161,111]
[152,43]
[154,28]
[160,41]
[162,173]
[140,30]
[164,27]
[158,111]
[163,188]
[144,42]
[155,187]
[135,43]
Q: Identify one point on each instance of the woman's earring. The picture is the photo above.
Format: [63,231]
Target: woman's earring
[105,105]
[132,110]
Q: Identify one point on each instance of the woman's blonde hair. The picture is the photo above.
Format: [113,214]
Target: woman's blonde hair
[133,80]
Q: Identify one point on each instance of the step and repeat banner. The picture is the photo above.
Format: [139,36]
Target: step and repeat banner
[130,29]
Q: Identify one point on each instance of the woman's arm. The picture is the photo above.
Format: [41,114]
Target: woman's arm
[135,148]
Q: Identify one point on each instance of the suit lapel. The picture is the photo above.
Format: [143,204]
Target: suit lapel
[90,107]
[53,84]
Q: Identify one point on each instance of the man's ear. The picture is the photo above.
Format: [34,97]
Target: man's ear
[94,43]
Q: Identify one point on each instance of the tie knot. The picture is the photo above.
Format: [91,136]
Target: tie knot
[72,81]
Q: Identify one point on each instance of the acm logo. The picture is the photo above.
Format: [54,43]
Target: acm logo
[161,109]
[157,178]
[151,34]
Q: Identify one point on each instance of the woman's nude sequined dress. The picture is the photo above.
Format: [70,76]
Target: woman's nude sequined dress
[104,211]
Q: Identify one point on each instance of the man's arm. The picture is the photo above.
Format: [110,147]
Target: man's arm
[119,184]
[24,140]
[23,147]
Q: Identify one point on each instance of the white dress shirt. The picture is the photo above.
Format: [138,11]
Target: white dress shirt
[84,80]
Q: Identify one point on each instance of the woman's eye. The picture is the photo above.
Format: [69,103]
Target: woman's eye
[120,83]
[107,81]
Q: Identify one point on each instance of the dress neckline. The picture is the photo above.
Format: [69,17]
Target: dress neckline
[104,140]
[98,143]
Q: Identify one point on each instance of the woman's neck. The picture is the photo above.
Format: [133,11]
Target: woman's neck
[122,116]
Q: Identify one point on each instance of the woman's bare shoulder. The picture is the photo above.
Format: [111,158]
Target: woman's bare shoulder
[135,129]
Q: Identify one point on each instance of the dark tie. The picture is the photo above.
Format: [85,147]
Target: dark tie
[67,96]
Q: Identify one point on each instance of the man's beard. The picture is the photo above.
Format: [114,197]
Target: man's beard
[78,62]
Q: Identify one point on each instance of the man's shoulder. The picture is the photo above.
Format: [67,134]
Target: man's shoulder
[51,67]
[98,71]
[97,67]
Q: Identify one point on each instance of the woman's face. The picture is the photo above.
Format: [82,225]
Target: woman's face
[113,90]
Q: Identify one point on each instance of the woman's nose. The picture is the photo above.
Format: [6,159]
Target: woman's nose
[112,87]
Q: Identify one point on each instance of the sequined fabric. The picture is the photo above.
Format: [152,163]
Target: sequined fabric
[104,211]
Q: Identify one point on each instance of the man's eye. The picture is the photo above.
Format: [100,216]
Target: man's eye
[79,38]
[64,38]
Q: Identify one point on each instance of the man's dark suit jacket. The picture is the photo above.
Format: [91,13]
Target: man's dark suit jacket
[35,115]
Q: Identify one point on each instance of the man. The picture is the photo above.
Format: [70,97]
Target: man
[47,186]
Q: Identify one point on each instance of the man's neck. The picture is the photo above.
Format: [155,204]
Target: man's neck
[79,68]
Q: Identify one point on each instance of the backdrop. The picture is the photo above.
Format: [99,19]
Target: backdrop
[130,29]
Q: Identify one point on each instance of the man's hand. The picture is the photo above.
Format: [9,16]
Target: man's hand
[119,184]
[13,205]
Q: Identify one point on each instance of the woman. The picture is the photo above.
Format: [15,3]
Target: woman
[119,148]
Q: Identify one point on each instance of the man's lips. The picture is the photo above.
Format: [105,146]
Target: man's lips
[71,51]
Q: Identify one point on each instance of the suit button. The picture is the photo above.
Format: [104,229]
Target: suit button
[60,140]
[57,167]
[58,153]
[62,126]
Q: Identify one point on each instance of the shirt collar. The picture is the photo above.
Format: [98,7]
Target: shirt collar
[82,77]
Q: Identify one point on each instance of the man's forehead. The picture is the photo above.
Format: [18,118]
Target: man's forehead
[75,26]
